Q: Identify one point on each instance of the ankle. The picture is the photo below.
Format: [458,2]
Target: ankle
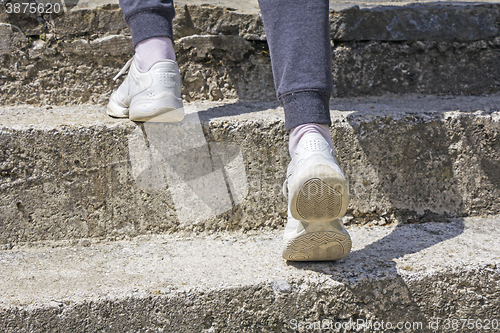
[151,50]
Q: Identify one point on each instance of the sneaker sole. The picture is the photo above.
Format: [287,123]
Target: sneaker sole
[321,195]
[159,115]
[318,243]
[116,111]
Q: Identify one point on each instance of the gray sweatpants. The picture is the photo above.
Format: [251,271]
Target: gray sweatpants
[298,36]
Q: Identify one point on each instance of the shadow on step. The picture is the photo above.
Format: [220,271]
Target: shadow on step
[371,275]
[420,153]
[236,108]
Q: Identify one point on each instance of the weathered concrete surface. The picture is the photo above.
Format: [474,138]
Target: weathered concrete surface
[252,6]
[356,20]
[411,158]
[233,282]
[436,22]
[371,68]
[451,48]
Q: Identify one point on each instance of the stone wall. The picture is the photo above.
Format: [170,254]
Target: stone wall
[429,49]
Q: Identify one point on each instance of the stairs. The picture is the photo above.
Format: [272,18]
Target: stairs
[111,226]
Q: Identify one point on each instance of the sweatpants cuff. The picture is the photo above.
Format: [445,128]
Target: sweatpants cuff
[151,23]
[305,107]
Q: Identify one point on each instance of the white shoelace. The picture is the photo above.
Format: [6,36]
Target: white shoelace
[124,69]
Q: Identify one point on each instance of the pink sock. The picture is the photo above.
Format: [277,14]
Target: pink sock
[298,132]
[153,49]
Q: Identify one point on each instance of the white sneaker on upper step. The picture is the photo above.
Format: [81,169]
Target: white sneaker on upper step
[154,95]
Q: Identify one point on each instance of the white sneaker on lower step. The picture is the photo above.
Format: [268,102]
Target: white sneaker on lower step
[318,196]
[305,241]
[154,95]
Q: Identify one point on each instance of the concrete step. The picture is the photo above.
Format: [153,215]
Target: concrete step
[78,174]
[111,226]
[430,274]
[431,48]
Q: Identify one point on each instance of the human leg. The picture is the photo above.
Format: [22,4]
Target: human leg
[148,18]
[299,42]
[298,36]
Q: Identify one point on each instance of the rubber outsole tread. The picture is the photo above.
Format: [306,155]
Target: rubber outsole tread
[318,246]
[318,200]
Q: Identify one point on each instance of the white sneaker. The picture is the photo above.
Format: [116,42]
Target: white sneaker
[318,196]
[154,95]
